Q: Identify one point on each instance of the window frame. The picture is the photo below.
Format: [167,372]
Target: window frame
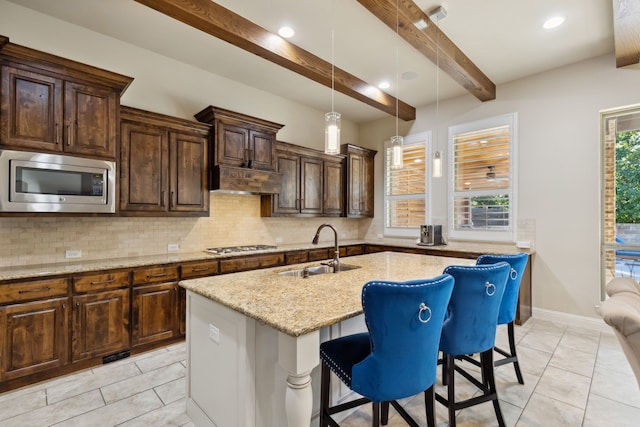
[426,139]
[509,234]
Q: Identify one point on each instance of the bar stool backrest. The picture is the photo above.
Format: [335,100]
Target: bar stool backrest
[518,263]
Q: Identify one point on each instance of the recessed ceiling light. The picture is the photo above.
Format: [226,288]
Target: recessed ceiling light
[384,85]
[286,32]
[553,22]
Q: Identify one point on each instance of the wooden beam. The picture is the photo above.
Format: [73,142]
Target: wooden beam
[451,59]
[626,32]
[226,25]
[3,41]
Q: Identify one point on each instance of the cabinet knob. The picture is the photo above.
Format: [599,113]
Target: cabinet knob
[57,133]
[171,202]
[68,134]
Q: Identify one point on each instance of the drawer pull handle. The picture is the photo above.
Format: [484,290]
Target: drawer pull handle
[149,276]
[104,282]
[195,270]
[28,291]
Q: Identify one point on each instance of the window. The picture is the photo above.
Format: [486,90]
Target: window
[620,137]
[405,197]
[482,179]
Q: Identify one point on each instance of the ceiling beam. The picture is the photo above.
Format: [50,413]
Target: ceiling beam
[626,32]
[226,25]
[451,59]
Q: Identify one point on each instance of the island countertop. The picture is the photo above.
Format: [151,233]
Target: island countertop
[297,306]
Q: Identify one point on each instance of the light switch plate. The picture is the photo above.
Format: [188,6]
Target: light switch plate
[172,247]
[73,254]
[214,334]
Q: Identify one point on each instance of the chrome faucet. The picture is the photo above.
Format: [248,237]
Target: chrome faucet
[335,263]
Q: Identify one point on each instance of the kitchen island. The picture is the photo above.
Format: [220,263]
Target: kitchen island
[253,337]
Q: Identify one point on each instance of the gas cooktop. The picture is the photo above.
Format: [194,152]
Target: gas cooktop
[233,249]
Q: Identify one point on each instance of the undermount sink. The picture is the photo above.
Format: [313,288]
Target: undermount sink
[316,269]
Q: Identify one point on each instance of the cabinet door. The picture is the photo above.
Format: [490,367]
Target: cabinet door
[366,189]
[288,200]
[188,190]
[90,120]
[143,168]
[30,110]
[34,337]
[333,189]
[311,185]
[100,323]
[263,150]
[355,199]
[232,144]
[155,309]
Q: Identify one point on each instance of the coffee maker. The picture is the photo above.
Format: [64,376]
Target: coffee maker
[431,235]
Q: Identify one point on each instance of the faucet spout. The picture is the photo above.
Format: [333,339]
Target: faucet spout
[336,250]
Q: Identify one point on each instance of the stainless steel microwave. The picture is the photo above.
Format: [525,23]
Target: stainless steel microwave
[39,182]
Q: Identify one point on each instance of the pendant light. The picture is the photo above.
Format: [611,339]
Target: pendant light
[436,167]
[332,119]
[396,143]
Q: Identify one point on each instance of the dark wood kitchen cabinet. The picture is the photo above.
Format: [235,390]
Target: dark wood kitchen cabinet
[56,105]
[359,192]
[34,327]
[311,183]
[241,141]
[163,165]
[101,307]
[155,305]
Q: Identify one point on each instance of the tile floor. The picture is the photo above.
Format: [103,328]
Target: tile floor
[573,377]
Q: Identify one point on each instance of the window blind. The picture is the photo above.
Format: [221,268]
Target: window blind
[405,189]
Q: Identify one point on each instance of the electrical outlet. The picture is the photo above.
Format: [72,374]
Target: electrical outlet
[379,236]
[172,247]
[73,254]
[214,334]
[278,240]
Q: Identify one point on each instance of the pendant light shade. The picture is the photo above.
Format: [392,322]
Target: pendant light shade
[332,133]
[397,152]
[436,171]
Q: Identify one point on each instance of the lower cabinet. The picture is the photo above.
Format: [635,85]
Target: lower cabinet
[155,305]
[100,315]
[34,335]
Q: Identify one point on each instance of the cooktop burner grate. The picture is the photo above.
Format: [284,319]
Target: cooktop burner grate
[232,249]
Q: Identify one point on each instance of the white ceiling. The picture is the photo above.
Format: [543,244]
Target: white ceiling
[504,38]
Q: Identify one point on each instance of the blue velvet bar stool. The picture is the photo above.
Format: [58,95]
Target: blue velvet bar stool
[470,327]
[397,357]
[509,304]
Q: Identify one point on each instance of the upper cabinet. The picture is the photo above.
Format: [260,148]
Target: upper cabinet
[311,183]
[163,165]
[52,104]
[243,155]
[359,183]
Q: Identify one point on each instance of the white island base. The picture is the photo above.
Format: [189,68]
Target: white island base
[241,372]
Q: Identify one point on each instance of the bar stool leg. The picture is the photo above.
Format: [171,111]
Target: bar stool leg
[486,359]
[512,349]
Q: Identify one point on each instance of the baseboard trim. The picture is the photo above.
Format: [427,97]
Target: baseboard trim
[593,323]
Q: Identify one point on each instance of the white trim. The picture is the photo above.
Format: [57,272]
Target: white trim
[573,320]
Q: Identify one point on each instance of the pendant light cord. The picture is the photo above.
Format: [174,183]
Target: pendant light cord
[437,144]
[333,13]
[397,63]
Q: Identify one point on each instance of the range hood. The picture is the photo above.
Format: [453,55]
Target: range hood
[243,152]
[229,179]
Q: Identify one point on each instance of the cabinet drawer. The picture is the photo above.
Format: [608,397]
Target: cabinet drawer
[296,257]
[199,269]
[354,250]
[251,263]
[319,254]
[101,282]
[40,289]
[155,275]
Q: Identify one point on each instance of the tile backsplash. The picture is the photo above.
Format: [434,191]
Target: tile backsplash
[233,220]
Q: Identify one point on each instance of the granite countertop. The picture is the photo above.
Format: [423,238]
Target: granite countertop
[298,306]
[36,271]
